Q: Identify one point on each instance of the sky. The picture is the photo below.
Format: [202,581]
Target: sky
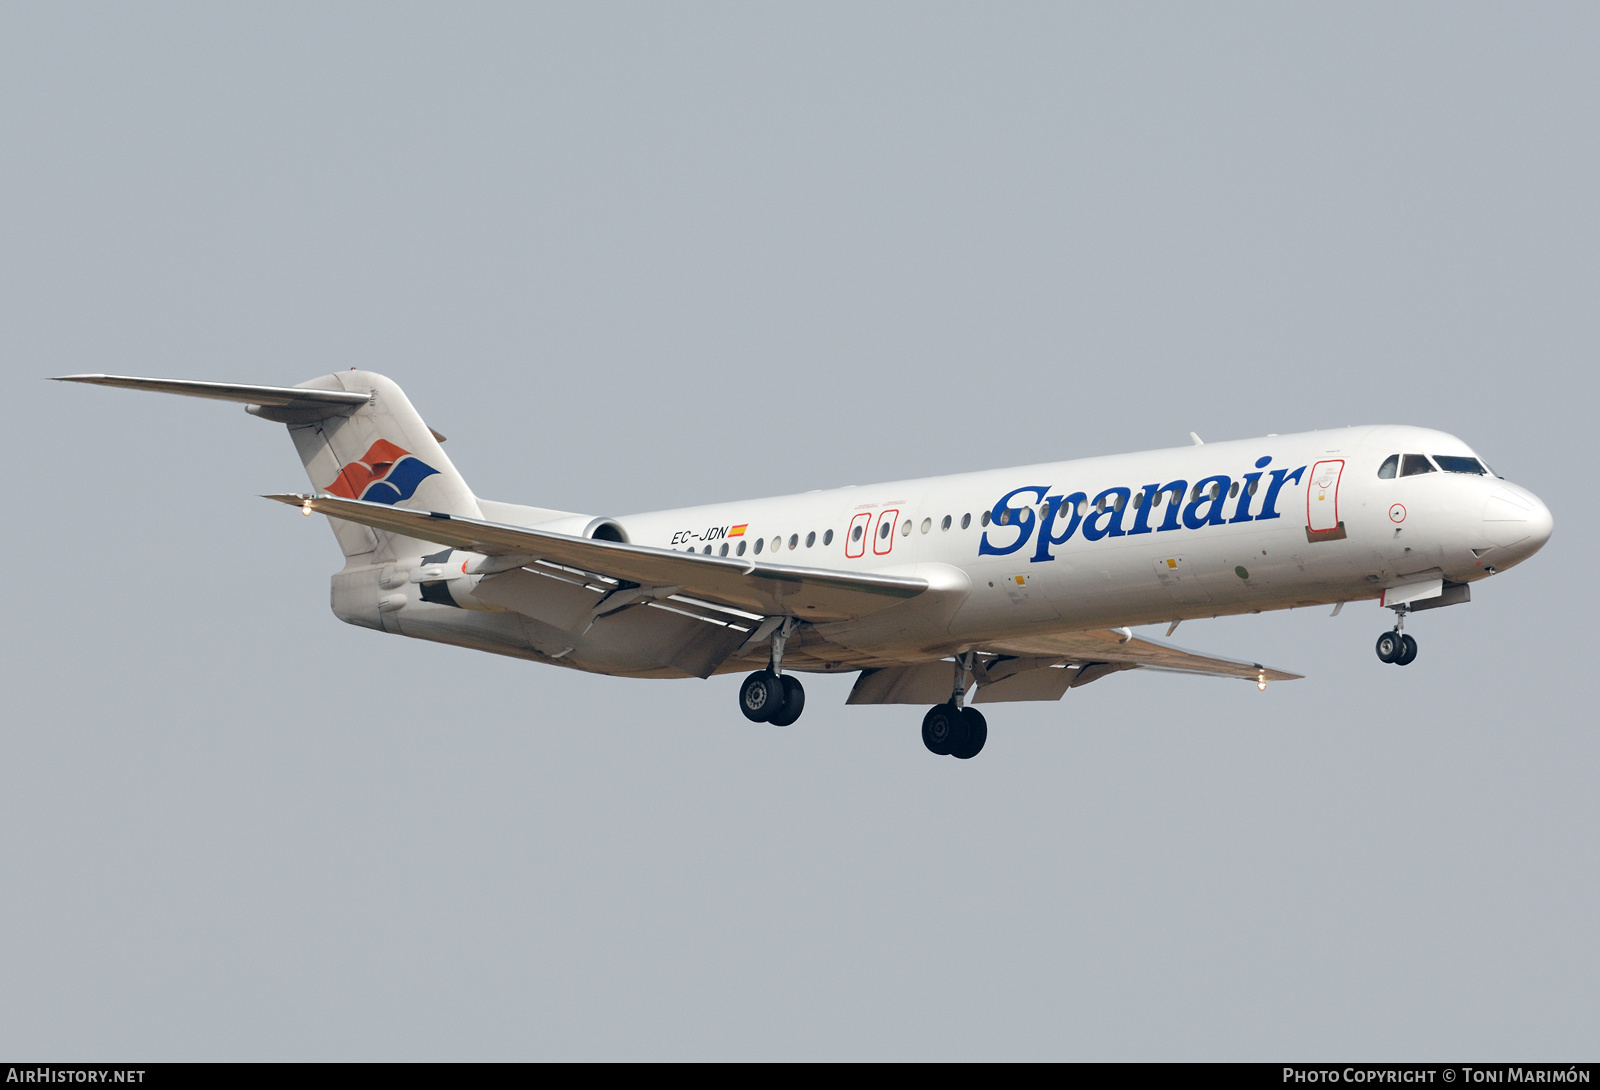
[629,257]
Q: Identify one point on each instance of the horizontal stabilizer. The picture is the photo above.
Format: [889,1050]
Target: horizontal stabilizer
[285,404]
[765,589]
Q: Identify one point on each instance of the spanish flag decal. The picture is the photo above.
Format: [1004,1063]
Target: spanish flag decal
[738,531]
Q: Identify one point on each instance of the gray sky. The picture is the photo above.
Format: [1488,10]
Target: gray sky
[636,257]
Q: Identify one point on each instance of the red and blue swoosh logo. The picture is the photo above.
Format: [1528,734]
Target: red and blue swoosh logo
[385,474]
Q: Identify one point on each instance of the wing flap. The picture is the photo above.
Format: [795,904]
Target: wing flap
[1106,646]
[764,589]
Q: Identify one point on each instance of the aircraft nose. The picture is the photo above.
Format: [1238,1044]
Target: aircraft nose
[1518,522]
[1541,524]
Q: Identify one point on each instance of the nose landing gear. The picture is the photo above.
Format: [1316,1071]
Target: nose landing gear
[1395,646]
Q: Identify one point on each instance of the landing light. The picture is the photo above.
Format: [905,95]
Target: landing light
[305,508]
[1261,682]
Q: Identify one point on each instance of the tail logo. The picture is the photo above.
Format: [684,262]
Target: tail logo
[385,474]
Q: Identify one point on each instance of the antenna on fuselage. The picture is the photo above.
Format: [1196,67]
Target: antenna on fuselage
[1199,442]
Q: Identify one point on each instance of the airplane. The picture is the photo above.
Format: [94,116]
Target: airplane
[977,588]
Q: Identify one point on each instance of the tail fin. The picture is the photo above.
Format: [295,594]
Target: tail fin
[382,452]
[358,436]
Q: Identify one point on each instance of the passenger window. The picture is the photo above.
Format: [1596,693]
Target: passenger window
[1391,466]
[794,540]
[827,537]
[1413,464]
[884,530]
[1454,463]
[966,520]
[984,521]
[855,535]
[927,524]
[811,539]
[760,541]
[724,549]
[741,548]
[945,525]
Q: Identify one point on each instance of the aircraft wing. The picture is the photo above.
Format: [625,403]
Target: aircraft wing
[767,589]
[1110,647]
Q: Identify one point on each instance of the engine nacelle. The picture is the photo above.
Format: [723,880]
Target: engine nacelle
[448,577]
[598,527]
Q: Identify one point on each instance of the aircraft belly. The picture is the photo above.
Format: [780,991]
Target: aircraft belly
[501,633]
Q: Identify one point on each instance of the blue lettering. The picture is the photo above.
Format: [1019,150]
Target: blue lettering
[1046,538]
[1111,513]
[1242,512]
[1191,514]
[1022,518]
[1175,504]
[1141,517]
[1280,477]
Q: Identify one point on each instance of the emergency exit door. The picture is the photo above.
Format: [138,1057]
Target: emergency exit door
[855,541]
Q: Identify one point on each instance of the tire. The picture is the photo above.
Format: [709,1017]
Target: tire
[1390,645]
[977,734]
[944,728]
[1408,651]
[794,702]
[761,696]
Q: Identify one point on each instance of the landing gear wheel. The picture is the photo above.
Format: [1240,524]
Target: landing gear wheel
[977,734]
[761,696]
[943,729]
[1390,646]
[794,702]
[1407,652]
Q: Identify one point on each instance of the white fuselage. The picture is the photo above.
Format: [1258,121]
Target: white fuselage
[1245,551]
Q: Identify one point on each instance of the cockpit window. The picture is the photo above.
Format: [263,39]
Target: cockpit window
[1454,463]
[1391,465]
[1412,464]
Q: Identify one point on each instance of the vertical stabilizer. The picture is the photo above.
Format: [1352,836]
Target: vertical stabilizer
[380,452]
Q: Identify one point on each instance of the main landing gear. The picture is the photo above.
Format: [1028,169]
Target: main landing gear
[1395,646]
[766,697]
[951,730]
[770,695]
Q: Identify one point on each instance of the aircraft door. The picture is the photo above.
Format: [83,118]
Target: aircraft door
[883,536]
[855,539]
[1322,497]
